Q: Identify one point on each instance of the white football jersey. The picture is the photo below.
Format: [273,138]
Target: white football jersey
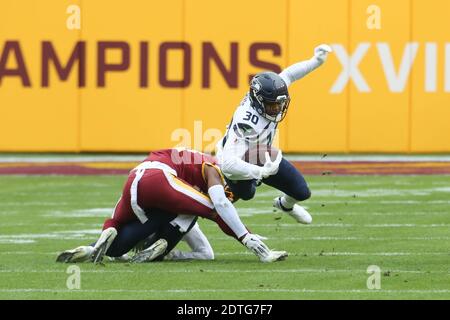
[248,128]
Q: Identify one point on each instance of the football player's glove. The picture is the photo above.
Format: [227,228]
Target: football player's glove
[255,244]
[271,167]
[321,52]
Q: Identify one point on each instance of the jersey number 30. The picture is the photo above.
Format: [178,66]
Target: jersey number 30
[253,118]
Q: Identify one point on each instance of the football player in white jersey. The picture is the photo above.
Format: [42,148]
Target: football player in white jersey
[254,124]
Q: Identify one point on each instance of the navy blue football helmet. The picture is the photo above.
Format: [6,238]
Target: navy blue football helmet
[269,96]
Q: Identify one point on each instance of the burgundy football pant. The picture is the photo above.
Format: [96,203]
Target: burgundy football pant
[161,190]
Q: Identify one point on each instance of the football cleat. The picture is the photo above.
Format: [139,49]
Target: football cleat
[79,254]
[151,253]
[297,212]
[103,243]
[273,256]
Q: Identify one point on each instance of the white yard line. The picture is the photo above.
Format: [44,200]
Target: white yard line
[14,239]
[378,192]
[243,212]
[94,212]
[385,253]
[337,253]
[347,225]
[28,253]
[52,225]
[243,253]
[183,291]
[301,270]
[55,235]
[343,238]
[351,201]
[36,204]
[369,213]
[18,241]
[89,234]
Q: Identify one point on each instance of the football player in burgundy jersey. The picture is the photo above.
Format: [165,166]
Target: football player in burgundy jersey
[183,184]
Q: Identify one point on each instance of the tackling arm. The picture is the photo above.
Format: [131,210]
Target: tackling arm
[223,206]
[229,215]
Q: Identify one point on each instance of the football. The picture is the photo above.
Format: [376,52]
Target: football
[256,154]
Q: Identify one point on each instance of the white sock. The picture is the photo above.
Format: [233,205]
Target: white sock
[288,202]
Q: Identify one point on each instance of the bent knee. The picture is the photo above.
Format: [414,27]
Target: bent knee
[247,195]
[301,193]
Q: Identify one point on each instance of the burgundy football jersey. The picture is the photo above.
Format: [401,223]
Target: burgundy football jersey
[189,164]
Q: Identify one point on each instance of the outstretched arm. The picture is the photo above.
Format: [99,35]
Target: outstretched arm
[225,209]
[301,69]
[229,215]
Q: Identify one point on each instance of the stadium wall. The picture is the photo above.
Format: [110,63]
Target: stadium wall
[141,75]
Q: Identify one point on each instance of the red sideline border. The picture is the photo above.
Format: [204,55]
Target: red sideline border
[306,167]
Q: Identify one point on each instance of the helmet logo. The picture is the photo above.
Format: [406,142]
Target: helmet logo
[257,86]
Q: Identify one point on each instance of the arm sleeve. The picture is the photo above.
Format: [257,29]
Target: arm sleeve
[199,244]
[299,70]
[226,210]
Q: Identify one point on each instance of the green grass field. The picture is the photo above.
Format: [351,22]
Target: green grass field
[399,223]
